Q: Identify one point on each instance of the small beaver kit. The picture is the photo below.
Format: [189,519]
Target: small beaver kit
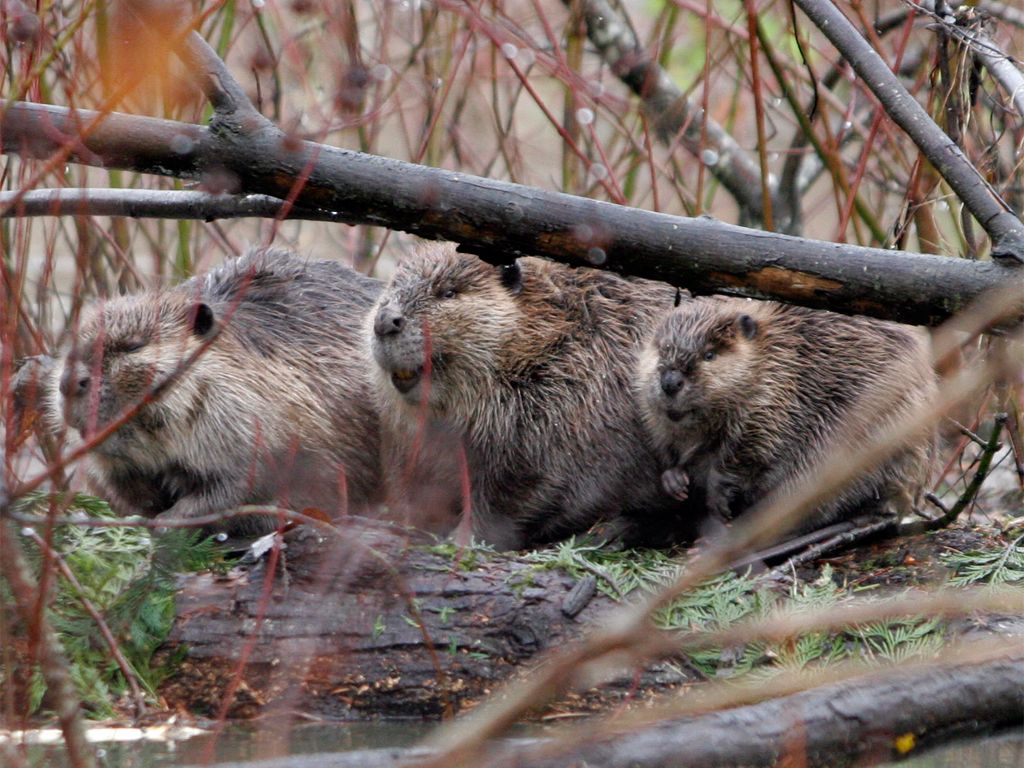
[250,385]
[743,399]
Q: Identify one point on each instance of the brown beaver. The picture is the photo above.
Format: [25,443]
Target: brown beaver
[744,398]
[277,409]
[526,368]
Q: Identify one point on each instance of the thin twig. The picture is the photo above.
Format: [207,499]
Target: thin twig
[985,49]
[672,112]
[984,464]
[53,664]
[152,204]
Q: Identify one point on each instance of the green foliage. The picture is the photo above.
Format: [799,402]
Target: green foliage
[896,641]
[128,575]
[618,572]
[1000,567]
[379,627]
[466,557]
[729,598]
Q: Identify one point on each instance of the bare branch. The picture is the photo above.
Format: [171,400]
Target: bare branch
[675,115]
[999,65]
[1005,229]
[151,204]
[501,220]
[52,663]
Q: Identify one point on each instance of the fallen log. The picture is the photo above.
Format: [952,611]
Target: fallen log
[374,626]
[889,716]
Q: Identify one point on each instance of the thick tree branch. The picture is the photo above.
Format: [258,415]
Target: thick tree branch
[495,217]
[1005,229]
[675,115]
[835,725]
[883,717]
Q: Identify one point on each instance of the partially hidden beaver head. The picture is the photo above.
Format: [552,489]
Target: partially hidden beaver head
[124,349]
[440,325]
[700,363]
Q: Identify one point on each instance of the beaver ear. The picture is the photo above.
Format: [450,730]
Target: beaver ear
[747,326]
[511,276]
[201,318]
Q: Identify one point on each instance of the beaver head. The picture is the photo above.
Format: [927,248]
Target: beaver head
[124,349]
[441,327]
[699,364]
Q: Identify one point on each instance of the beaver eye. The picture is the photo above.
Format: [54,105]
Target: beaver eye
[449,293]
[709,355]
[132,345]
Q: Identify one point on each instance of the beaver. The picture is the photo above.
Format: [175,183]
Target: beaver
[526,369]
[269,398]
[744,398]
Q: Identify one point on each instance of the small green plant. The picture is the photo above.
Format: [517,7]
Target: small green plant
[618,572]
[1000,567]
[129,577]
[729,598]
[378,627]
[466,557]
[896,641]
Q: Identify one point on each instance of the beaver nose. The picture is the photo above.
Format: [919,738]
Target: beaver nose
[74,382]
[671,382]
[389,321]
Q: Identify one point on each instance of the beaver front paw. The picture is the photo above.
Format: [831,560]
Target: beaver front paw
[676,483]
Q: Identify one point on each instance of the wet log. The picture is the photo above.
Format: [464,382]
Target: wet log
[369,623]
[888,717]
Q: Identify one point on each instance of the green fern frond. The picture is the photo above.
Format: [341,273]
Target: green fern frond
[129,577]
[1005,567]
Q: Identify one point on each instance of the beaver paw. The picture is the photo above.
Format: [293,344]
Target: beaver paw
[676,483]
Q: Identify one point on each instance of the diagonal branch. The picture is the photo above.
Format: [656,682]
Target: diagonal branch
[1004,228]
[675,115]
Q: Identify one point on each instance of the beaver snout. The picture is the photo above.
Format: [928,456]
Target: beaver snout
[671,382]
[389,321]
[74,381]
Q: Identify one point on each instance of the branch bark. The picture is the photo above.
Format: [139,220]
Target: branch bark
[854,723]
[151,204]
[494,217]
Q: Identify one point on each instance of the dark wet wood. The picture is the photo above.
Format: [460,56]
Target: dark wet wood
[877,719]
[369,624]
